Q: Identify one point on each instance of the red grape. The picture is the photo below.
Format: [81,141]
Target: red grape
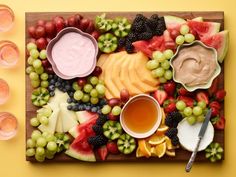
[59,23]
[41,43]
[95,34]
[40,32]
[78,17]
[84,24]
[90,28]
[31,40]
[112,117]
[81,82]
[31,31]
[124,95]
[46,63]
[50,28]
[48,39]
[72,21]
[97,71]
[49,70]
[41,23]
[113,102]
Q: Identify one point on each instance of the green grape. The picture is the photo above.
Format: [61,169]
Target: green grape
[44,76]
[30,152]
[152,64]
[41,142]
[40,151]
[40,158]
[168,75]
[159,56]
[94,100]
[168,53]
[101,82]
[39,70]
[34,53]
[35,135]
[43,54]
[191,120]
[106,109]
[180,105]
[200,118]
[189,38]
[197,111]
[43,120]
[116,110]
[47,111]
[86,98]
[179,39]
[50,137]
[202,104]
[94,93]
[101,89]
[165,64]
[184,29]
[162,80]
[45,134]
[37,63]
[30,143]
[34,122]
[78,95]
[93,80]
[159,72]
[35,84]
[75,86]
[49,155]
[29,69]
[88,88]
[31,46]
[44,84]
[30,60]
[188,111]
[52,146]
[34,76]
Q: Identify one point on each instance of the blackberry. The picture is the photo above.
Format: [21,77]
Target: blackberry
[121,42]
[132,37]
[139,27]
[177,117]
[97,141]
[101,120]
[152,24]
[145,36]
[98,129]
[175,140]
[154,17]
[139,17]
[129,47]
[171,132]
[173,118]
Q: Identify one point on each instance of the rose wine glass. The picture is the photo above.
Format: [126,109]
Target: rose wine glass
[4,91]
[6,18]
[8,126]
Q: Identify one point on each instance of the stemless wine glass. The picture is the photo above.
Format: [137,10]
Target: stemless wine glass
[8,125]
[6,18]
[9,54]
[4,91]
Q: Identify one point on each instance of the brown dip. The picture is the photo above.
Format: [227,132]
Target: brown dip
[194,65]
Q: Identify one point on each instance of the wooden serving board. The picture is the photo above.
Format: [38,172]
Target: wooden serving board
[181,155]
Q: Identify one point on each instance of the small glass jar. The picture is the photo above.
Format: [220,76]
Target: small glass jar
[7,18]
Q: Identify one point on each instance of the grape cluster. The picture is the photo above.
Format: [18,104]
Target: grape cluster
[185,35]
[45,145]
[35,69]
[42,116]
[160,65]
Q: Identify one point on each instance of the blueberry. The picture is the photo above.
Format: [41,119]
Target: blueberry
[81,108]
[102,102]
[87,108]
[57,84]
[74,108]
[94,109]
[99,111]
[67,87]
[52,82]
[69,107]
[52,93]
[51,87]
[69,100]
[55,77]
[59,79]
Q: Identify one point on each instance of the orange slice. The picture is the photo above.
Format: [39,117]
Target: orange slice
[162,129]
[144,147]
[156,139]
[170,152]
[169,145]
[153,151]
[161,149]
[139,153]
[163,116]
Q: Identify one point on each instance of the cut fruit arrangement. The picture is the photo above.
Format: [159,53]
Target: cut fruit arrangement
[80,118]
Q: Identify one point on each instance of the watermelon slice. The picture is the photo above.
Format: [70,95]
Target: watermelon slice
[220,42]
[80,149]
[83,116]
[198,19]
[173,22]
[204,29]
[143,47]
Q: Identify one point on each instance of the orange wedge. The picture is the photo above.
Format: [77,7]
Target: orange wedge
[144,147]
[139,153]
[161,149]
[156,139]
[163,116]
[170,152]
[153,151]
[162,129]
[169,145]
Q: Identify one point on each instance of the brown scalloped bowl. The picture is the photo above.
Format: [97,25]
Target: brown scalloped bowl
[72,53]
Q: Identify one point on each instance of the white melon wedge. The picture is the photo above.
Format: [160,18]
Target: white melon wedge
[59,126]
[68,118]
[52,122]
[59,97]
[188,135]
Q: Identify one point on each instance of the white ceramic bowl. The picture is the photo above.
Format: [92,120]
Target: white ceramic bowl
[155,126]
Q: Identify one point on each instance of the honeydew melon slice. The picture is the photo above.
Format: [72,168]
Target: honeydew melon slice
[173,21]
[188,135]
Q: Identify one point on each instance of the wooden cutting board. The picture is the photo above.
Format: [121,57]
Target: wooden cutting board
[181,155]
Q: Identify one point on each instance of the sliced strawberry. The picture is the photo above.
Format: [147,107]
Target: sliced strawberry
[170,87]
[215,104]
[160,96]
[214,86]
[214,112]
[220,95]
[183,92]
[103,152]
[112,147]
[169,106]
[220,124]
[202,96]
[188,101]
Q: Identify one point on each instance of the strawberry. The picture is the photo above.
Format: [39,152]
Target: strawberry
[214,86]
[169,106]
[220,94]
[112,147]
[188,101]
[215,104]
[214,111]
[183,92]
[202,96]
[169,87]
[103,152]
[160,96]
[220,124]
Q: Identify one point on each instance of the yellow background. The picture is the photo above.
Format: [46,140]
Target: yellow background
[12,157]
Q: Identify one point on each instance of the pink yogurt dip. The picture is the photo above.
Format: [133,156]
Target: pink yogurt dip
[73,54]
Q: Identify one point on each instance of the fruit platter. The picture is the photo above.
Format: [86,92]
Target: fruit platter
[124,86]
